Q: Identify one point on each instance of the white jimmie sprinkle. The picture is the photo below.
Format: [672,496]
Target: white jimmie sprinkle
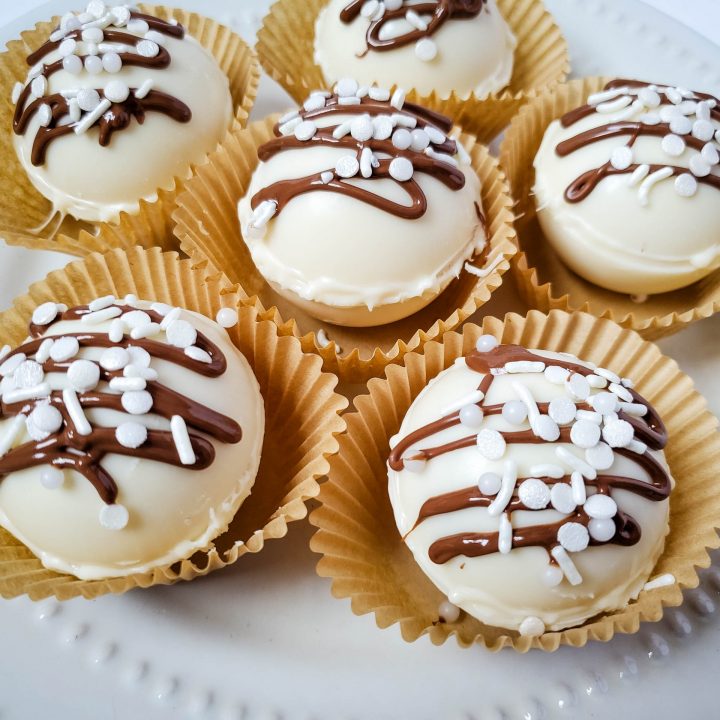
[75,411]
[181,438]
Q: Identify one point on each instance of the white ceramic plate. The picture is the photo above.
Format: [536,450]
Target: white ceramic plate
[264,639]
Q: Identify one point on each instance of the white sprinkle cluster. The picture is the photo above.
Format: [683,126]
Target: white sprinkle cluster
[689,119]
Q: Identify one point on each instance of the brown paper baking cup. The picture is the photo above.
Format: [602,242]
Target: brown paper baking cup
[301,407]
[361,547]
[285,47]
[543,280]
[208,228]
[23,208]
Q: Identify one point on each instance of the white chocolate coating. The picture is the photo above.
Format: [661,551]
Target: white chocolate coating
[612,238]
[348,262]
[474,55]
[94,183]
[174,511]
[507,590]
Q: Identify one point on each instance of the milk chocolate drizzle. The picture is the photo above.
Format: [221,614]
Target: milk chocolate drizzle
[119,115]
[441,11]
[583,185]
[649,429]
[283,191]
[68,449]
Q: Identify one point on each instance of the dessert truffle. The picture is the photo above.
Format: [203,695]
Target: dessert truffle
[363,208]
[116,105]
[130,434]
[531,487]
[627,186]
[463,46]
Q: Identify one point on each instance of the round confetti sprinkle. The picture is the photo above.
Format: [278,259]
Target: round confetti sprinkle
[72,64]
[136,318]
[621,157]
[181,334]
[305,130]
[471,416]
[681,125]
[67,47]
[561,498]
[585,434]
[347,166]
[117,91]
[686,185]
[546,428]
[710,154]
[137,402]
[556,375]
[602,507]
[562,410]
[491,444]
[673,145]
[601,530]
[139,356]
[578,387]
[88,99]
[601,456]
[604,402]
[383,127]
[93,65]
[28,374]
[131,434]
[489,483]
[401,169]
[402,139]
[147,48]
[361,128]
[114,359]
[486,343]
[346,87]
[618,433]
[39,86]
[111,62]
[52,478]
[83,375]
[227,317]
[573,536]
[703,130]
[420,140]
[534,494]
[425,49]
[114,517]
[44,314]
[514,412]
[648,97]
[698,167]
[93,35]
[46,418]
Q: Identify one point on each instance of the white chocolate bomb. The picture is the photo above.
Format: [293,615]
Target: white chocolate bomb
[519,483]
[652,224]
[465,55]
[82,178]
[165,509]
[353,261]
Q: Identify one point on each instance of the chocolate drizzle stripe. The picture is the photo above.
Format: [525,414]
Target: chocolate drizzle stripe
[283,191]
[649,429]
[68,449]
[441,11]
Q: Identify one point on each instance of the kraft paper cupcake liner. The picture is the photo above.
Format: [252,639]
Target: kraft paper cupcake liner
[362,550]
[26,216]
[301,406]
[285,47]
[209,229]
[543,280]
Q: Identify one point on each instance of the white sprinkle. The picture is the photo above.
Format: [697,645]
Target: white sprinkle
[21,394]
[562,498]
[514,412]
[288,128]
[43,352]
[573,536]
[114,359]
[507,488]
[491,444]
[261,216]
[144,89]
[426,50]
[634,409]
[113,517]
[604,402]
[420,140]
[137,402]
[182,440]
[346,87]
[601,456]
[486,343]
[601,530]
[131,434]
[361,128]
[589,416]
[170,317]
[379,94]
[366,167]
[44,115]
[137,26]
[18,87]
[67,47]
[578,387]
[441,157]
[685,185]
[471,398]
[227,317]
[505,534]
[64,348]
[130,299]
[637,446]
[111,62]
[577,485]
[522,366]
[305,130]
[556,374]
[617,433]
[139,371]
[552,576]
[575,462]
[605,95]
[638,175]
[680,125]
[566,565]
[91,118]
[288,116]
[10,432]
[349,101]
[602,507]
[622,392]
[673,95]
[39,86]
[341,130]
[83,375]
[156,37]
[547,470]
[649,97]
[181,333]
[652,179]
[116,331]
[75,411]
[347,166]
[698,167]
[52,478]
[12,363]
[197,354]
[710,154]
[471,416]
[398,99]
[673,145]
[93,64]
[382,127]
[116,91]
[660,581]
[448,612]
[401,139]
[362,91]
[135,319]
[436,137]
[314,102]
[401,169]
[531,627]
[612,106]
[44,314]
[415,20]
[101,316]
[546,428]
[703,130]
[402,120]
[93,35]
[145,331]
[127,384]
[28,374]
[414,464]
[597,382]
[585,434]
[489,483]
[621,157]
[101,303]
[562,410]
[534,494]
[139,356]
[46,418]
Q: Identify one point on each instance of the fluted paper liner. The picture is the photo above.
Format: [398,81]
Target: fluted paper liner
[301,411]
[361,546]
[23,208]
[209,229]
[286,40]
[543,280]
